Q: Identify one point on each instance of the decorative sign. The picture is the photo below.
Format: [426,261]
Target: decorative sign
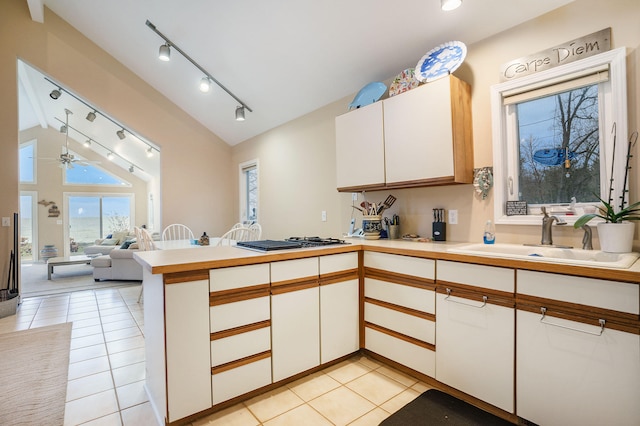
[565,53]
[516,208]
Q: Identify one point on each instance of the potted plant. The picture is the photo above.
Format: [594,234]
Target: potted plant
[617,231]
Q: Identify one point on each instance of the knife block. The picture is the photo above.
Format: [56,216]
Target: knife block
[439,231]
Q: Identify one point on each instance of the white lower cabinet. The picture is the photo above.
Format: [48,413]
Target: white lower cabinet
[475,331]
[187,348]
[475,349]
[295,317]
[569,369]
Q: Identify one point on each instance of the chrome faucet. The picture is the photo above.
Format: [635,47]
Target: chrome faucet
[586,238]
[547,221]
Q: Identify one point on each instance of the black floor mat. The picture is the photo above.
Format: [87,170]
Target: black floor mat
[434,407]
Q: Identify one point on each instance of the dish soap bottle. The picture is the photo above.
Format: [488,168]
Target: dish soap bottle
[204,240]
[489,233]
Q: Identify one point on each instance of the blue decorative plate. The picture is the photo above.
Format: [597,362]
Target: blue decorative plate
[441,61]
[368,94]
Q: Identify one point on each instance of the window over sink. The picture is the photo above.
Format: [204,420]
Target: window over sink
[553,137]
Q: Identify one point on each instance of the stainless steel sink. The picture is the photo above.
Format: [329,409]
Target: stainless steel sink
[550,254]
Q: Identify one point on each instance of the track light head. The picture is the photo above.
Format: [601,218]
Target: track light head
[110,156]
[121,134]
[87,143]
[91,116]
[55,93]
[63,129]
[240,113]
[205,84]
[164,54]
[149,152]
[448,5]
[131,169]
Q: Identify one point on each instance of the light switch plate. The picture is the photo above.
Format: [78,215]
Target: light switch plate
[6,221]
[453,217]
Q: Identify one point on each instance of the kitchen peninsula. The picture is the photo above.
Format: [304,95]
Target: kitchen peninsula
[520,338]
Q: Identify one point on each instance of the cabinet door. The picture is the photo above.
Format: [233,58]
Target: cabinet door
[567,377]
[418,133]
[360,147]
[339,315]
[295,326]
[475,349]
[187,348]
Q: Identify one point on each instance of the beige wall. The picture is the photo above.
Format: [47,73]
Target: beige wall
[297,166]
[50,187]
[195,163]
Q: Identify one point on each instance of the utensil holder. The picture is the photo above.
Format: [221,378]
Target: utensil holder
[394,232]
[372,224]
[439,231]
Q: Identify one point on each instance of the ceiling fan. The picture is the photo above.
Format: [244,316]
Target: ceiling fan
[67,160]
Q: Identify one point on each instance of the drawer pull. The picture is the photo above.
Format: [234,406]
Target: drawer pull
[600,321]
[484,300]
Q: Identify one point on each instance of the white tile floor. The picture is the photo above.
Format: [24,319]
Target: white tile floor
[106,372]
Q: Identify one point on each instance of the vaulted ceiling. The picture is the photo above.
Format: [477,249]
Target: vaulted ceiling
[282,58]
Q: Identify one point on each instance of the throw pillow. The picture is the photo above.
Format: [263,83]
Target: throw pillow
[109,242]
[126,245]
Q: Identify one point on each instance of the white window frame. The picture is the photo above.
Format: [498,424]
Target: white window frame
[33,142]
[504,142]
[242,167]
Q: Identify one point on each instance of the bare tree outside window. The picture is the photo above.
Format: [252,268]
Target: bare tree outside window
[559,149]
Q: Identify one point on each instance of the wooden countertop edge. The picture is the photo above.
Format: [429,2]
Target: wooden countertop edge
[624,275]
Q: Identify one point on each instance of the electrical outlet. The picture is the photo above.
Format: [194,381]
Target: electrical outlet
[6,221]
[324,216]
[354,196]
[453,217]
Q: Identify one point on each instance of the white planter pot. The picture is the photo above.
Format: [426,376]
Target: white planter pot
[616,237]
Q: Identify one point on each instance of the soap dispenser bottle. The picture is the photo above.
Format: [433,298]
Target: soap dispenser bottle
[489,233]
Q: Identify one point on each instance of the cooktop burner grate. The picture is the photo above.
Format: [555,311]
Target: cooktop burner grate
[289,243]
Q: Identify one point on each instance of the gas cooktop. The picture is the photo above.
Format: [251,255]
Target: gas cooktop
[289,243]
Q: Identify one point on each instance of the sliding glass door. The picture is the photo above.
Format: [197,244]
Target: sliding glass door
[90,217]
[28,226]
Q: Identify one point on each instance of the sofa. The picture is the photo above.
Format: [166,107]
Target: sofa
[119,264]
[106,245]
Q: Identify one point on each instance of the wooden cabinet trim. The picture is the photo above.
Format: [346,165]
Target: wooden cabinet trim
[240,362]
[293,285]
[402,279]
[400,336]
[245,293]
[340,276]
[186,276]
[239,330]
[494,297]
[615,320]
[413,312]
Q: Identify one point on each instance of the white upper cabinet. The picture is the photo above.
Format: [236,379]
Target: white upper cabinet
[422,137]
[360,147]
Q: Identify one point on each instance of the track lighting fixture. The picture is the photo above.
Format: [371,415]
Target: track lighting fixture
[56,93]
[448,5]
[208,79]
[205,84]
[164,53]
[240,113]
[149,152]
[92,115]
[131,169]
[87,143]
[110,155]
[120,134]
[63,129]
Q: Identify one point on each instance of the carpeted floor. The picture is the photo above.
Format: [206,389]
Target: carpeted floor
[435,407]
[33,375]
[64,279]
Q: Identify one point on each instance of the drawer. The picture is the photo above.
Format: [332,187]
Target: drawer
[403,295]
[241,345]
[238,277]
[236,314]
[235,382]
[338,262]
[294,269]
[502,279]
[411,325]
[407,265]
[617,296]
[413,356]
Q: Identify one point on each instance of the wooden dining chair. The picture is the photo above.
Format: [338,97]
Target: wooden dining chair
[177,231]
[241,233]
